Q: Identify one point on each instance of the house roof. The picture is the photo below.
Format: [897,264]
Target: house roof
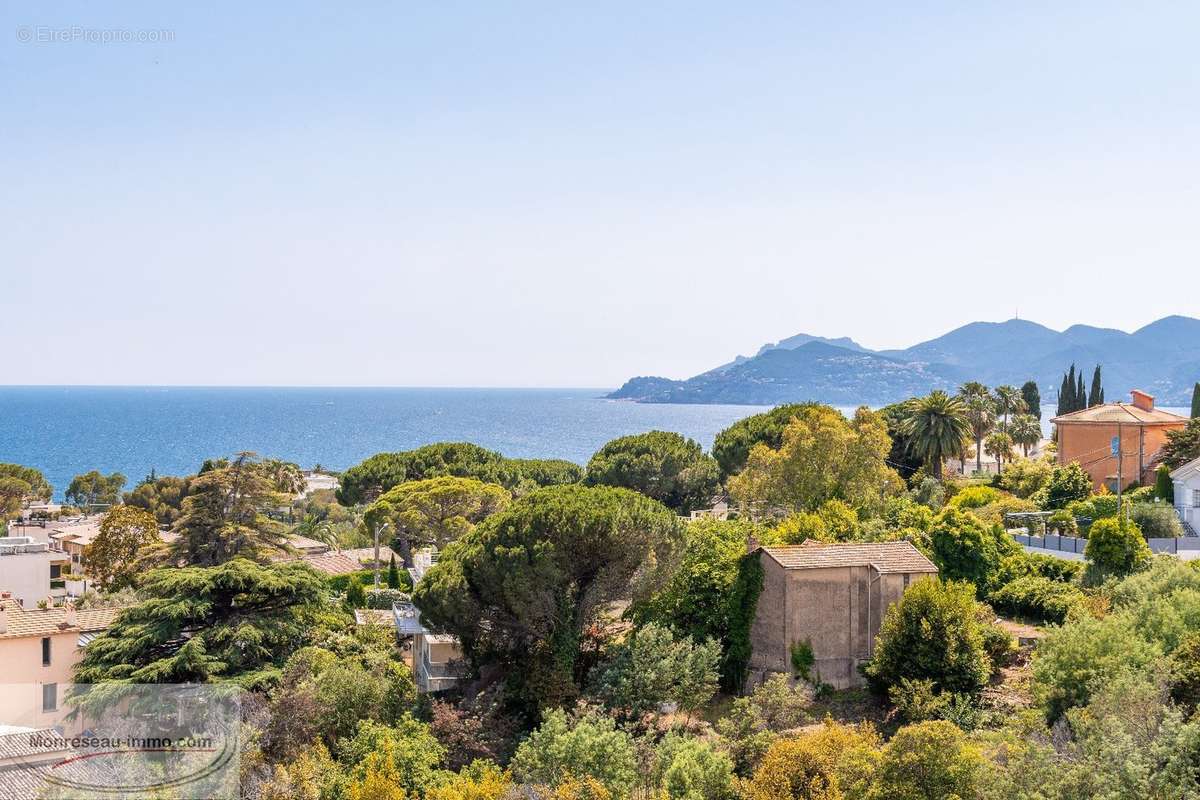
[883,556]
[1188,470]
[372,616]
[331,563]
[1112,413]
[48,621]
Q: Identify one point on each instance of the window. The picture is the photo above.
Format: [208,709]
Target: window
[49,697]
[1196,498]
[45,651]
[55,571]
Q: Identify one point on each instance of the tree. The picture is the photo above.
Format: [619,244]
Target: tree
[1164,487]
[1196,400]
[1066,394]
[667,467]
[833,762]
[161,496]
[933,634]
[384,758]
[1116,547]
[1032,398]
[929,760]
[435,511]
[93,489]
[999,445]
[965,549]
[1182,445]
[902,457]
[13,492]
[732,446]
[522,586]
[700,600]
[1096,396]
[980,414]
[936,427]
[823,456]
[1009,400]
[286,476]
[38,487]
[1080,393]
[224,515]
[111,557]
[239,620]
[356,596]
[652,667]
[1066,484]
[588,747]
[1026,431]
[393,574]
[692,769]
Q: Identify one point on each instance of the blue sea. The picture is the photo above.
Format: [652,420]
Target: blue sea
[64,431]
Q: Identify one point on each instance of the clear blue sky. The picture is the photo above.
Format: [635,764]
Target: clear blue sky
[526,193]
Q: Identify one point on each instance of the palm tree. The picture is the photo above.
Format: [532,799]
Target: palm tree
[1009,399]
[936,427]
[1026,431]
[981,415]
[999,446]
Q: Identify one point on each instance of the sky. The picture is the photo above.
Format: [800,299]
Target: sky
[554,194]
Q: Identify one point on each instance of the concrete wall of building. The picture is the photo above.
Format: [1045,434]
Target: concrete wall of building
[837,610]
[27,576]
[25,675]
[1089,444]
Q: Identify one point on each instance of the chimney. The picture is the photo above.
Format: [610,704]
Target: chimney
[3,619]
[1142,400]
[751,543]
[71,618]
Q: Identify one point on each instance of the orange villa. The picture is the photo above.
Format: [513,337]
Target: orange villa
[1139,430]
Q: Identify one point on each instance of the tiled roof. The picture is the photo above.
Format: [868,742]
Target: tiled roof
[1112,413]
[47,621]
[367,554]
[373,616]
[1187,470]
[332,563]
[883,556]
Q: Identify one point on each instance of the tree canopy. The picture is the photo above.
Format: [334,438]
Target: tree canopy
[733,445]
[365,482]
[95,489]
[521,587]
[224,515]
[111,558]
[198,624]
[19,485]
[1182,445]
[435,511]
[935,428]
[823,455]
[161,496]
[667,467]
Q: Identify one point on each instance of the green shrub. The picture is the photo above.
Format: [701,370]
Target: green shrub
[1105,506]
[1143,494]
[997,513]
[1056,569]
[975,497]
[1036,597]
[934,634]
[1062,523]
[1116,548]
[1156,520]
[1164,487]
[1066,484]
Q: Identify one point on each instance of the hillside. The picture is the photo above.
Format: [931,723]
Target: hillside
[1163,358]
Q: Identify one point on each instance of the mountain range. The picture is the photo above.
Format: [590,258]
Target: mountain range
[1162,358]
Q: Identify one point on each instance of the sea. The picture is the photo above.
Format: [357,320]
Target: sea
[65,431]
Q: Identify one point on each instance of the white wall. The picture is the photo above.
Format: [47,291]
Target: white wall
[27,576]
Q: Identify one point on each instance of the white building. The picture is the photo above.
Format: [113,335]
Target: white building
[436,656]
[1187,494]
[30,571]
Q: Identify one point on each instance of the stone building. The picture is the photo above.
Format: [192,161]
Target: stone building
[832,597]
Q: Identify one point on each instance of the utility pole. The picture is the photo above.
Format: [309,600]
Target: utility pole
[1120,476]
[378,529]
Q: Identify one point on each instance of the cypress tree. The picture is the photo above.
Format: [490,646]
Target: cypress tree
[1080,394]
[393,574]
[1096,396]
[1196,401]
[1064,395]
[1033,398]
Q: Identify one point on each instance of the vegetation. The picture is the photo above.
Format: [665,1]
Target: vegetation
[936,427]
[93,489]
[520,589]
[111,558]
[822,456]
[20,485]
[161,496]
[667,467]
[435,511]
[1183,446]
[1033,399]
[732,446]
[1116,547]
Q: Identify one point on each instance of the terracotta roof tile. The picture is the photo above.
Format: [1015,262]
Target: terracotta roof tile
[884,556]
[47,621]
[1121,412]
